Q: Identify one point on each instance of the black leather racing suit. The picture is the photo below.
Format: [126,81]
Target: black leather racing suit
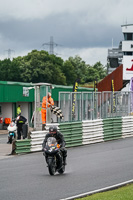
[60,140]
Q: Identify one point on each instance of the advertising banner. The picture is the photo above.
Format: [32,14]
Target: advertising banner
[127,67]
[131,90]
[113,91]
[75,88]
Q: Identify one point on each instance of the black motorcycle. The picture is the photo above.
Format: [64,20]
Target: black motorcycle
[54,157]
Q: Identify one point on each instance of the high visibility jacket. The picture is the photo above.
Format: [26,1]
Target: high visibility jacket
[18,110]
[47,102]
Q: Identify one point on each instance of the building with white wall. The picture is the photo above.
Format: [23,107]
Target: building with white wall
[123,54]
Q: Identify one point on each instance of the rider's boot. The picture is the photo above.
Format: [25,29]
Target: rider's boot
[43,127]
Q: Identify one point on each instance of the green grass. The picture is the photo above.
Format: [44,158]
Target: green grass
[122,193]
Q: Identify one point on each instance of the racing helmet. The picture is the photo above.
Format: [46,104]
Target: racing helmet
[53,129]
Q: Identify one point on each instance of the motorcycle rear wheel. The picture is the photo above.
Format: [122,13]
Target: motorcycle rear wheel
[61,171]
[51,167]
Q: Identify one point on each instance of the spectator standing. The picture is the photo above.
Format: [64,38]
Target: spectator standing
[20,122]
[18,110]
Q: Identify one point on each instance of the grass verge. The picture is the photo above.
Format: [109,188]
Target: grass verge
[122,193]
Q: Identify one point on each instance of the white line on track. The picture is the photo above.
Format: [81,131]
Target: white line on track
[99,190]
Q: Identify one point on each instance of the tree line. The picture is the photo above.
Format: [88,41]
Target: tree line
[40,66]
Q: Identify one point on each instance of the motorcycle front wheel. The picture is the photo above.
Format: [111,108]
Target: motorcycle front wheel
[51,166]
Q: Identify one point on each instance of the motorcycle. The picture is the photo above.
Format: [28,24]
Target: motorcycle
[12,131]
[54,157]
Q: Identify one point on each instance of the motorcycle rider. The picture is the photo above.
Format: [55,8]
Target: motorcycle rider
[12,124]
[53,132]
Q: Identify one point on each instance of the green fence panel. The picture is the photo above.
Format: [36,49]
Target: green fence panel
[77,131]
[112,128]
[66,133]
[23,146]
[76,124]
[108,120]
[108,129]
[20,151]
[117,127]
[72,133]
[73,144]
[65,125]
[20,143]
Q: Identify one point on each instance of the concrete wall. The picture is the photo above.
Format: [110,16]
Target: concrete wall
[6,110]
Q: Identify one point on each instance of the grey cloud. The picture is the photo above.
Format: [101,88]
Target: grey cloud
[65,29]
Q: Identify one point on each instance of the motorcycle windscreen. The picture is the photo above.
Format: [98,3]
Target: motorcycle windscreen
[51,141]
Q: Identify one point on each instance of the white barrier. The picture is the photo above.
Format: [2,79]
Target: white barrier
[37,138]
[127,126]
[92,131]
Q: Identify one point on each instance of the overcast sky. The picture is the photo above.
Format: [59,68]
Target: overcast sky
[78,27]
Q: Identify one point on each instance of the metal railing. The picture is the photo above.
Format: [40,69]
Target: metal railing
[77,106]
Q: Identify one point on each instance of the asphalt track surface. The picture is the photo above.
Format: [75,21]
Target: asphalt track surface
[5,149]
[89,168]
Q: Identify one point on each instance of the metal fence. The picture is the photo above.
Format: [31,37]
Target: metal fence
[77,106]
[41,90]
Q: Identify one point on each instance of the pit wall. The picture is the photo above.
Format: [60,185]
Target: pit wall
[81,133]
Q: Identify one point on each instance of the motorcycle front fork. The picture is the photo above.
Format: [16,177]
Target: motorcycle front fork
[53,158]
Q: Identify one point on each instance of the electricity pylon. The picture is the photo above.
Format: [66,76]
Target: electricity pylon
[51,45]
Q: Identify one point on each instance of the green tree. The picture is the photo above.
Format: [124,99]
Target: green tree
[96,72]
[7,70]
[80,68]
[39,66]
[15,70]
[92,74]
[102,70]
[69,71]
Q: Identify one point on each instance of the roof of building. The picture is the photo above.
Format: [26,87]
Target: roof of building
[15,83]
[127,25]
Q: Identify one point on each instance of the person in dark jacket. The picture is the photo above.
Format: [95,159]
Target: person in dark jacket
[53,132]
[20,122]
